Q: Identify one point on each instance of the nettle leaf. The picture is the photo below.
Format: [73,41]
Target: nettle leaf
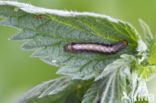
[48,31]
[116,79]
[146,72]
[148,52]
[150,41]
[61,90]
[118,85]
[126,61]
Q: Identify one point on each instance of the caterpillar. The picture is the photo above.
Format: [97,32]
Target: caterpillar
[95,47]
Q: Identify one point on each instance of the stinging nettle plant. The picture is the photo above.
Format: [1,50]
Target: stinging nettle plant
[89,77]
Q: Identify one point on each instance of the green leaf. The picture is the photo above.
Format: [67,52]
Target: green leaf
[48,31]
[61,90]
[150,41]
[126,61]
[119,85]
[147,51]
[146,71]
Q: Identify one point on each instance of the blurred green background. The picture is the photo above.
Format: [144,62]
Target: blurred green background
[19,72]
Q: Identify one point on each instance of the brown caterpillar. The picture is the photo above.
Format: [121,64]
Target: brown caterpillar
[95,47]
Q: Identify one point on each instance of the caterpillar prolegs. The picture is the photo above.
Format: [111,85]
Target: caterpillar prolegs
[95,47]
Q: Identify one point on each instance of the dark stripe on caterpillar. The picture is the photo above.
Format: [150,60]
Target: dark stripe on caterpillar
[95,47]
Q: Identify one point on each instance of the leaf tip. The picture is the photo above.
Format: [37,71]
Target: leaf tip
[27,47]
[13,38]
